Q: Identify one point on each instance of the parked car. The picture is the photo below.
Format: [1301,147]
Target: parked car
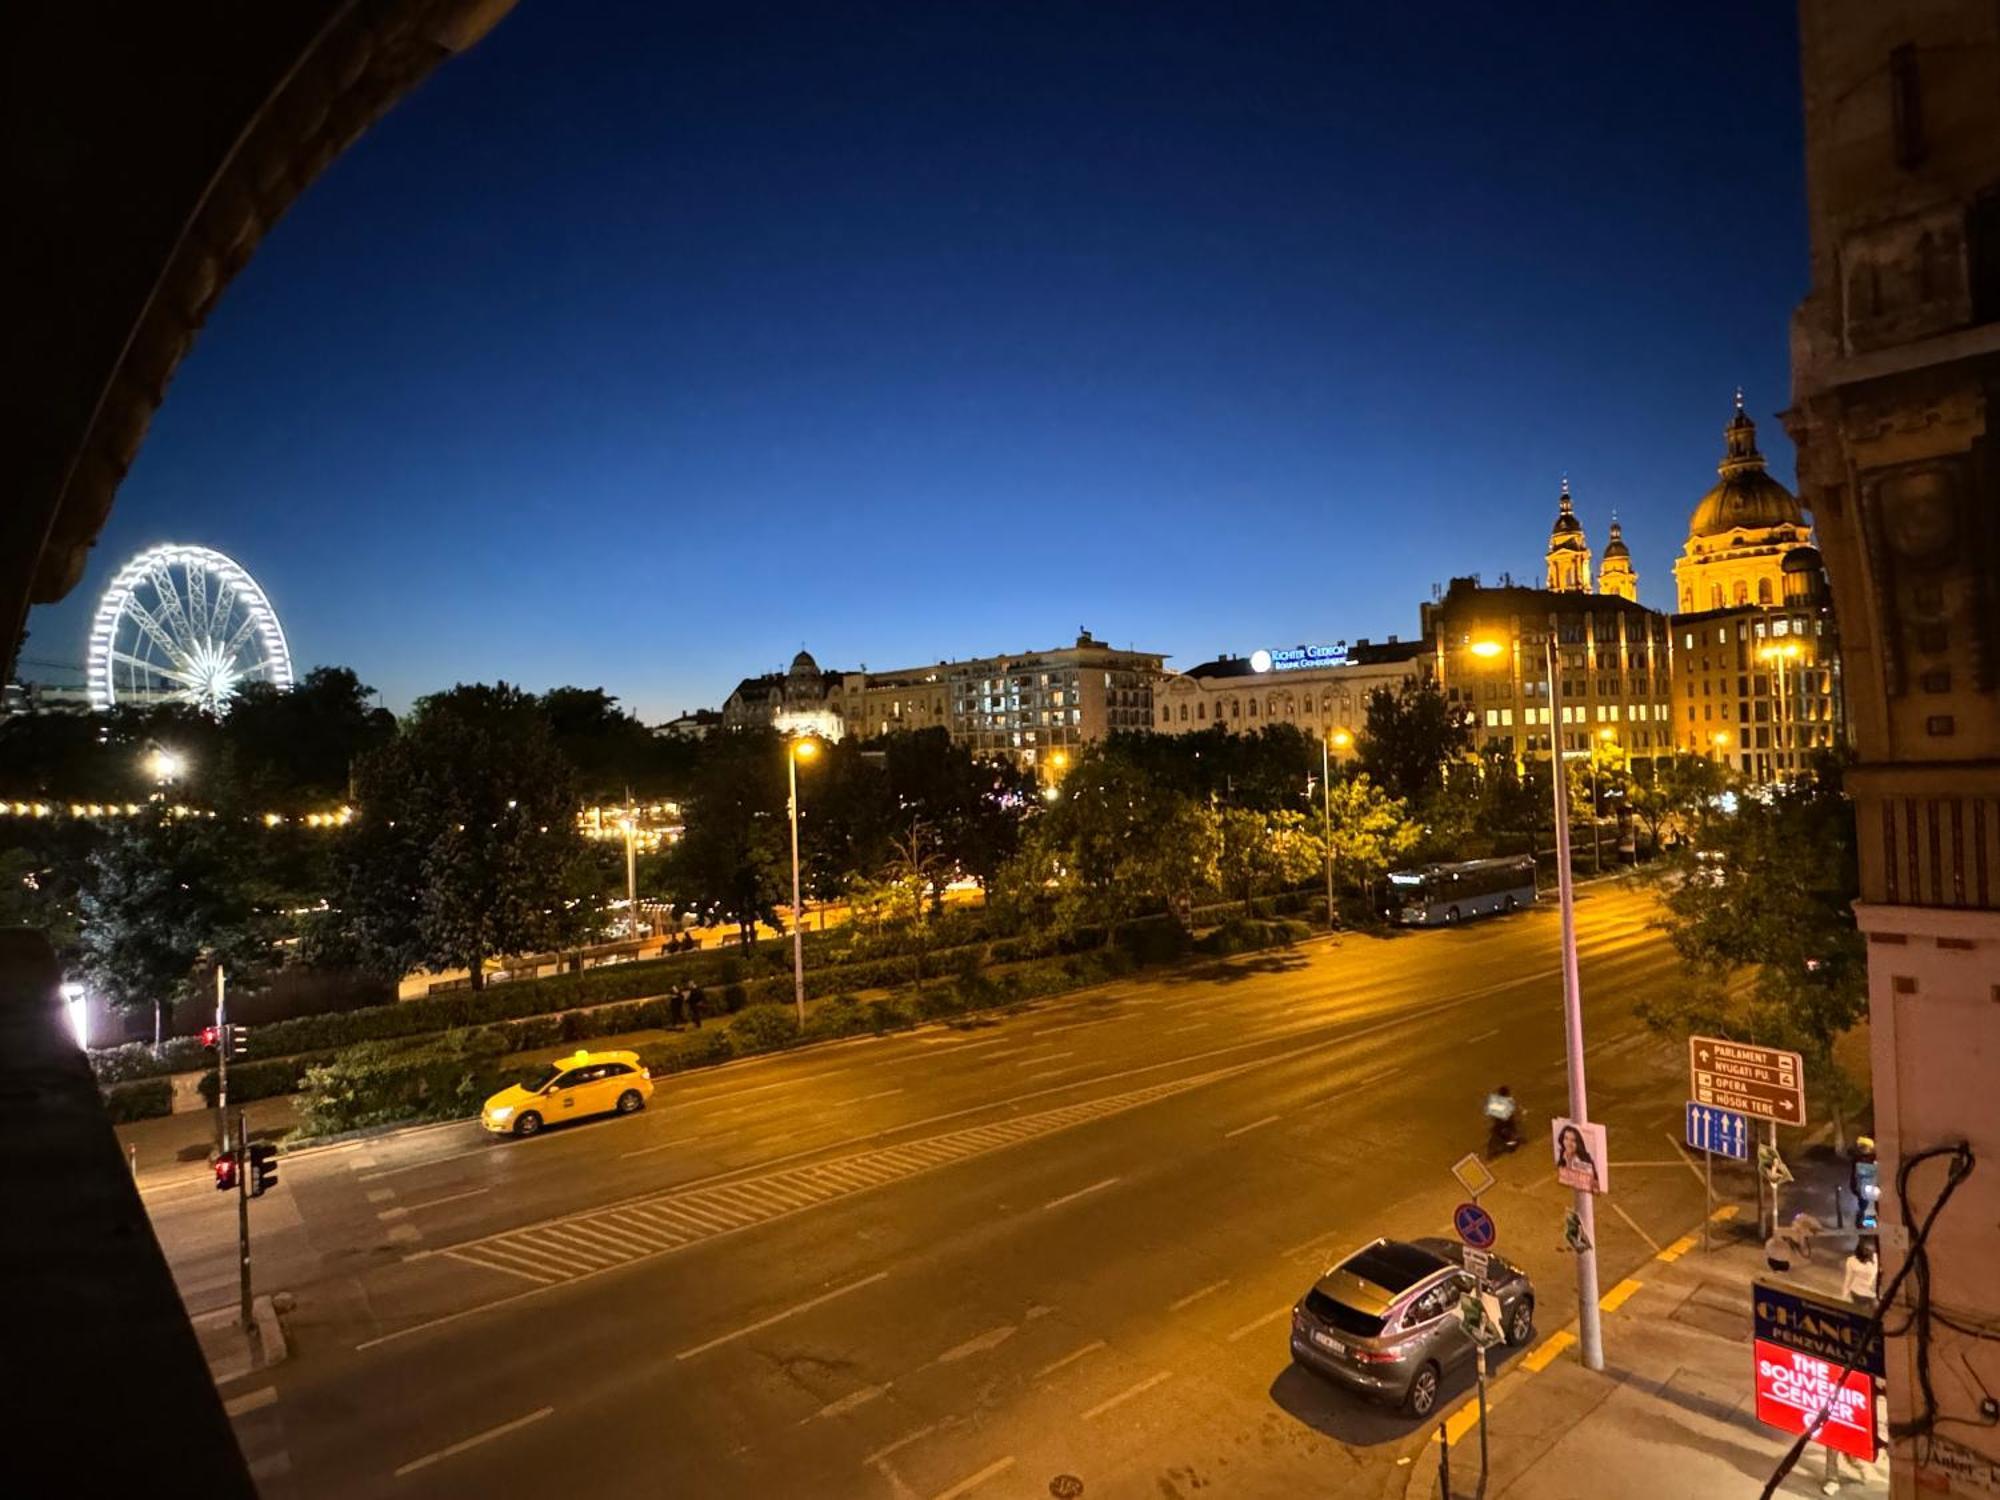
[1385,1321]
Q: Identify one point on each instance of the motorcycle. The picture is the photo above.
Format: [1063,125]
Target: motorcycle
[1504,1132]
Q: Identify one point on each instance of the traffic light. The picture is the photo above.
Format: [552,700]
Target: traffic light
[233,1041]
[225,1172]
[263,1166]
[239,1041]
[210,1035]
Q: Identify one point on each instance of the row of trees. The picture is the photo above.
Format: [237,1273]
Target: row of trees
[467,846]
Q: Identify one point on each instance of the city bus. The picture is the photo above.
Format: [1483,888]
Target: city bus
[1446,894]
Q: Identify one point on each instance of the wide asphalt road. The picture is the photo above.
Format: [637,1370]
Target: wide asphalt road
[964,1261]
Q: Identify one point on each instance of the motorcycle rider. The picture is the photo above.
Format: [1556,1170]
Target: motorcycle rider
[1503,1111]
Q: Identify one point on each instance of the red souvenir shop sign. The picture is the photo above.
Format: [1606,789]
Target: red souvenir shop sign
[1792,1386]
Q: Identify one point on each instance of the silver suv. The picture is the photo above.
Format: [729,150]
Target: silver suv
[1385,1321]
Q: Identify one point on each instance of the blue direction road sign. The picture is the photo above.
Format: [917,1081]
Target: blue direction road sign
[1722,1131]
[1474,1225]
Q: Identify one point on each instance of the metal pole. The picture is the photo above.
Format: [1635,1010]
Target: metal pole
[221,1059]
[243,1210]
[1590,1332]
[1444,1463]
[798,935]
[1707,1196]
[1326,821]
[1596,812]
[1480,1492]
[631,866]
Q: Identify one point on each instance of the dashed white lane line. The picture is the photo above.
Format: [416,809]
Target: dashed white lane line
[866,1098]
[993,1338]
[393,1213]
[1078,1025]
[1312,1244]
[1483,1035]
[380,1195]
[250,1401]
[972,1482]
[1253,1125]
[1195,1296]
[851,1400]
[473,1442]
[447,1198]
[434,1161]
[403,1234]
[1054,1073]
[679,1140]
[1191,1026]
[1052,1057]
[1256,1323]
[900,1444]
[1127,1394]
[790,1312]
[1095,1187]
[1068,1359]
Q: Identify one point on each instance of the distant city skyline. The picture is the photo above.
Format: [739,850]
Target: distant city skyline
[643,347]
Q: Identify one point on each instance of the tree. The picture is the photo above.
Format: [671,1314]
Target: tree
[468,847]
[1120,844]
[973,807]
[292,749]
[1678,798]
[162,897]
[1371,830]
[1257,851]
[1410,736]
[1767,930]
[611,750]
[735,854]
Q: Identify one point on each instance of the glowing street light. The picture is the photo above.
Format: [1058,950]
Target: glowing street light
[79,1014]
[1590,1329]
[804,748]
[1338,739]
[166,765]
[1780,653]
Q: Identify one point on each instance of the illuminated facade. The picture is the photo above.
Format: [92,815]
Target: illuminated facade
[1314,689]
[1612,654]
[1569,549]
[1757,672]
[1617,577]
[800,700]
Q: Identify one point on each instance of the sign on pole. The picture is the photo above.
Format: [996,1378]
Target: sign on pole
[1723,1132]
[1476,1262]
[1474,1225]
[1583,1161]
[1815,1325]
[1747,1078]
[1472,1174]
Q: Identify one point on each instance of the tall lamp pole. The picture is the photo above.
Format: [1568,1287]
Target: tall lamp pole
[804,748]
[1590,1331]
[1343,739]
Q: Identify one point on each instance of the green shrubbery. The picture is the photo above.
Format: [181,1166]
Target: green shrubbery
[378,1083]
[1246,934]
[264,1078]
[144,1100]
[764,1028]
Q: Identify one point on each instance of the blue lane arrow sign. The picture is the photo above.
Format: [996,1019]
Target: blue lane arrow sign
[1723,1132]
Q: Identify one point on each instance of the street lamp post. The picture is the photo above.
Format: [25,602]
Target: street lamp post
[1343,739]
[804,748]
[1590,1331]
[1780,654]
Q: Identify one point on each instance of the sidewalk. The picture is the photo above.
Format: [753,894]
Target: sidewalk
[1672,1415]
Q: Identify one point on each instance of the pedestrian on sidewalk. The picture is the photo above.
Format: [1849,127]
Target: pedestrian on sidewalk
[1792,1241]
[676,1007]
[694,1001]
[1861,1275]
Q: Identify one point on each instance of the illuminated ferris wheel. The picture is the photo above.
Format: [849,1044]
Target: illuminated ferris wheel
[183,625]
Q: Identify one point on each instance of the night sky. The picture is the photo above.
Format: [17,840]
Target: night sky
[646,343]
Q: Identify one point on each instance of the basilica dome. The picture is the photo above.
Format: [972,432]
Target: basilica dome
[1747,498]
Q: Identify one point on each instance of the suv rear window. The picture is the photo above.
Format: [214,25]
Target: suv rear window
[1392,1266]
[1340,1315]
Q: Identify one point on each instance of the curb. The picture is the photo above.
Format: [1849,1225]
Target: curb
[271,1346]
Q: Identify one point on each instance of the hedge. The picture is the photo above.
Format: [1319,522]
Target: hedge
[375,1083]
[1245,934]
[144,1100]
[263,1078]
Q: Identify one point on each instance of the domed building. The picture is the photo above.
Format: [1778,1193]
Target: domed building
[1756,673]
[800,700]
[1741,530]
[1618,577]
[1569,550]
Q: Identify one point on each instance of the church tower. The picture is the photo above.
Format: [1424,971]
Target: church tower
[1617,576]
[1741,531]
[1569,550]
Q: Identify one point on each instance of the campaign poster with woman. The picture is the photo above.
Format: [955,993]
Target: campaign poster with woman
[1581,1160]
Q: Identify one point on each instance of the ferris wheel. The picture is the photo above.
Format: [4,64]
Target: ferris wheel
[183,624]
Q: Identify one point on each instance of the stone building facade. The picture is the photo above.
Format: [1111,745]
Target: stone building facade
[1328,691]
[1895,390]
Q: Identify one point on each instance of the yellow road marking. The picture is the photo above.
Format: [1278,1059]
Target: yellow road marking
[1545,1354]
[1724,1213]
[1461,1422]
[1619,1295]
[1678,1248]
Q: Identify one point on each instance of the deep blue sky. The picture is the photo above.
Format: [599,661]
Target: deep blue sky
[647,342]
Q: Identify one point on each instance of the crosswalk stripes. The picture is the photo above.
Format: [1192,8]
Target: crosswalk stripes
[599,1240]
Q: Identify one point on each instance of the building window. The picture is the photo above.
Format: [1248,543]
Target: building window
[1906,107]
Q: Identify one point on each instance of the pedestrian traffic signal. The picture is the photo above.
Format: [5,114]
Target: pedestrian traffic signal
[238,1038]
[263,1167]
[225,1172]
[210,1035]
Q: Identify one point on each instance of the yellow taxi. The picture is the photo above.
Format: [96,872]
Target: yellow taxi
[570,1088]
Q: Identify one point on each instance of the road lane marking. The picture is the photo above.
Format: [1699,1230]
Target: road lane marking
[1251,1327]
[1460,1422]
[1193,1297]
[435,1161]
[1677,1249]
[1312,1244]
[473,1442]
[851,1400]
[380,1195]
[972,1482]
[775,1318]
[403,1234]
[679,1140]
[1723,1214]
[1543,1356]
[1619,1295]
[866,1098]
[1482,1036]
[900,1444]
[1052,1057]
[1127,1394]
[1633,1224]
[1068,1359]
[1095,1187]
[447,1198]
[1055,1073]
[250,1401]
[393,1213]
[1685,1157]
[993,1338]
[1078,1025]
[491,1265]
[1253,1125]
[1191,1026]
